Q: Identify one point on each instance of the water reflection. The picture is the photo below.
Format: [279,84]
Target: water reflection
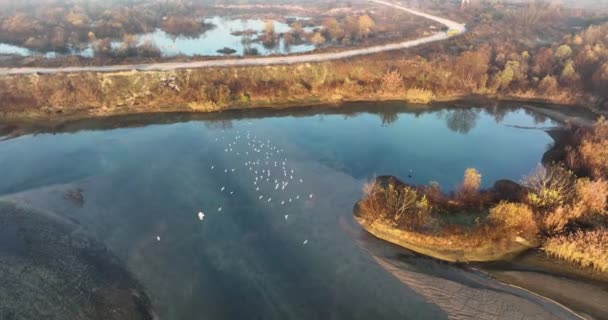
[460,120]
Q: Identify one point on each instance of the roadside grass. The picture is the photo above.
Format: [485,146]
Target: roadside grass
[589,249]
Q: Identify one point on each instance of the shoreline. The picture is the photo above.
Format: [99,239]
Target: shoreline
[583,116]
[494,252]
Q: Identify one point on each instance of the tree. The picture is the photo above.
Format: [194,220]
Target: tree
[297,30]
[471,181]
[317,39]
[550,187]
[563,52]
[128,46]
[269,37]
[569,73]
[332,29]
[288,39]
[365,26]
[507,75]
[269,27]
[548,86]
[102,46]
[543,62]
[470,67]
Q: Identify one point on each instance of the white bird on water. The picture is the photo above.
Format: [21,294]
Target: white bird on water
[201,216]
[157,238]
[219,209]
[286,216]
[305,242]
[222,189]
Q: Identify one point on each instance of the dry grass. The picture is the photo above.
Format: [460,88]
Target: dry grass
[587,249]
[419,96]
[592,196]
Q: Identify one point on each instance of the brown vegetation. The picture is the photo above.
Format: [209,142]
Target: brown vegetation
[417,218]
[568,213]
[500,71]
[589,249]
[399,204]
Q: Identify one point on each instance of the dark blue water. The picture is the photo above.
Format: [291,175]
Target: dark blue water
[283,244]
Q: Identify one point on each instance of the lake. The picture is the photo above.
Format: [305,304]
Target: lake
[277,188]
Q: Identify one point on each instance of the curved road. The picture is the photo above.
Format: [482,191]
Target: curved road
[315,57]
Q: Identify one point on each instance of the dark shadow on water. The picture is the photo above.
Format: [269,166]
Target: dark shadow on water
[459,117]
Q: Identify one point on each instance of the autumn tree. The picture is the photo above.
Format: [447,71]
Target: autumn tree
[365,26]
[548,86]
[569,74]
[471,67]
[543,62]
[317,39]
[563,52]
[269,37]
[332,29]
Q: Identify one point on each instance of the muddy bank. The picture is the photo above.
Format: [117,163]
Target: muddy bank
[584,290]
[501,250]
[462,291]
[50,270]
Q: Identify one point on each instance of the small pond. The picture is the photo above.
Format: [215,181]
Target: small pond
[206,44]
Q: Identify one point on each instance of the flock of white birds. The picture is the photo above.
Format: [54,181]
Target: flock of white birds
[272,179]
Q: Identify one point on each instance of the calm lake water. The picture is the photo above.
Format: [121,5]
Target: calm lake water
[277,240]
[205,44]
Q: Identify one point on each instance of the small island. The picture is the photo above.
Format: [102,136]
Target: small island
[560,208]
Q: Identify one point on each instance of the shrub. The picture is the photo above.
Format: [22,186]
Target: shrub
[593,149]
[556,220]
[549,187]
[400,205]
[592,196]
[588,249]
[516,216]
[471,181]
[391,80]
[419,96]
[182,26]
